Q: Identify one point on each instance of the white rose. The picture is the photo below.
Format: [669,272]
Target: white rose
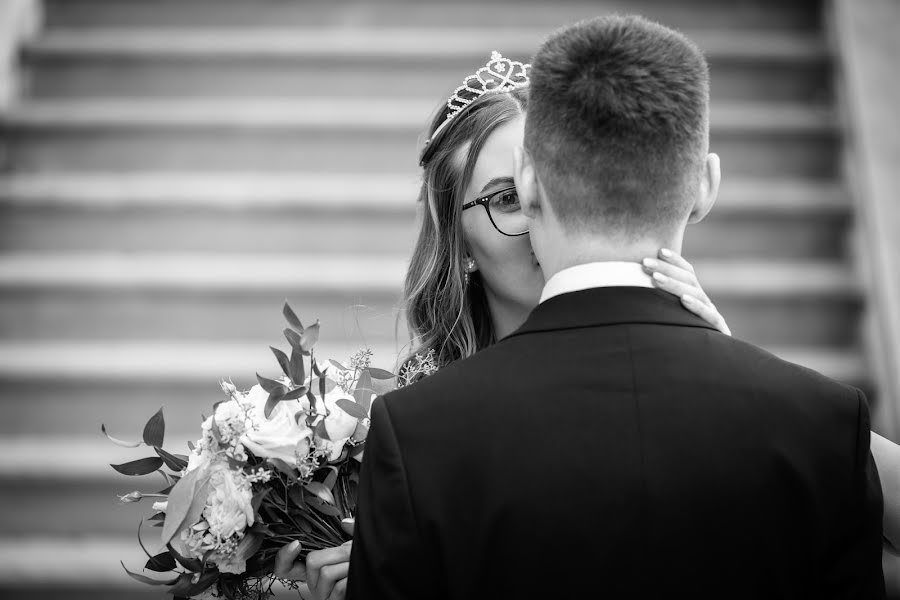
[339,424]
[280,436]
[229,506]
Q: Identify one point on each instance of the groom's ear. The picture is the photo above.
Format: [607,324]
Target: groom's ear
[709,189]
[526,181]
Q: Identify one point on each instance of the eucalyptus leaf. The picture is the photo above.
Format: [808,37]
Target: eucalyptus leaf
[155,429]
[176,462]
[186,502]
[141,466]
[160,516]
[258,498]
[295,493]
[117,441]
[337,365]
[363,392]
[283,361]
[291,317]
[352,408]
[320,490]
[145,579]
[316,383]
[161,563]
[270,385]
[284,468]
[298,371]
[193,565]
[322,507]
[331,478]
[296,393]
[320,430]
[376,373]
[294,340]
[310,337]
[275,396]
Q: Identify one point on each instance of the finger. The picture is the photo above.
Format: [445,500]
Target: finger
[652,265]
[672,257]
[328,578]
[340,590]
[286,565]
[318,559]
[707,312]
[678,288]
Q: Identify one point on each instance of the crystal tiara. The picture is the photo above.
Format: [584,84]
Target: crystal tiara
[498,75]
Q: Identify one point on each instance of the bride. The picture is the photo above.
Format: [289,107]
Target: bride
[473,278]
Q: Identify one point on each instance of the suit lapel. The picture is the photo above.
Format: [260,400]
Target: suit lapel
[599,307]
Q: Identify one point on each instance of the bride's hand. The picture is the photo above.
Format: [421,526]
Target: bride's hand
[324,574]
[673,274]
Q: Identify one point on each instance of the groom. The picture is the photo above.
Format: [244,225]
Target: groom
[616,446]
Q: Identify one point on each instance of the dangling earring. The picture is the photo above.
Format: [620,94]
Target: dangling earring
[470,266]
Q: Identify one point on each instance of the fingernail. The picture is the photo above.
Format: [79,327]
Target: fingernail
[650,263]
[294,545]
[666,253]
[687,299]
[659,277]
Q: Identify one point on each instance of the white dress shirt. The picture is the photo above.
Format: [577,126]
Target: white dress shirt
[596,275]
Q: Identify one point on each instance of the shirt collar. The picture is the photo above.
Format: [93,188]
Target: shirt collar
[596,275]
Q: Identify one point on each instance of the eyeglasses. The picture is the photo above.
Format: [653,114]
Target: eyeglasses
[504,211]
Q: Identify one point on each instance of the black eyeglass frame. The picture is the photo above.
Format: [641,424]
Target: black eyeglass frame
[485,202]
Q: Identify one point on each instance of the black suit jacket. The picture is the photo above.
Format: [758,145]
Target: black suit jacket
[617,444]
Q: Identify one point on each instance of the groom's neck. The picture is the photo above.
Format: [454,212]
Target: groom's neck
[578,251]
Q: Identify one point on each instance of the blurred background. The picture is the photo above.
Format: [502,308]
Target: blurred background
[171,171]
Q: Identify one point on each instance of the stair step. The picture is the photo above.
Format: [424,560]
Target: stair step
[318,213]
[315,191]
[362,63]
[158,297]
[367,44]
[341,192]
[238,273]
[327,134]
[350,113]
[798,15]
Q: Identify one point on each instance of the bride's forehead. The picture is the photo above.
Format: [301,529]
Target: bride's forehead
[496,156]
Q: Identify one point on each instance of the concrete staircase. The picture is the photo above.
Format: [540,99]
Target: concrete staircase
[178,168]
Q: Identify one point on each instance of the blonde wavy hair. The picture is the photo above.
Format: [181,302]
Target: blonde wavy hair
[444,314]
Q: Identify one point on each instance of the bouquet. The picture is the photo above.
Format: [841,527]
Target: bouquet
[276,463]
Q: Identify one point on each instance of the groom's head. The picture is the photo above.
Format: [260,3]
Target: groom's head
[616,134]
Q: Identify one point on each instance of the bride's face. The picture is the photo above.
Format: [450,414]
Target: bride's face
[507,265]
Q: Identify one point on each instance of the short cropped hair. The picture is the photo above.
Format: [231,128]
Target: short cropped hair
[618,123]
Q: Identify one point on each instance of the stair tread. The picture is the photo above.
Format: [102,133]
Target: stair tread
[168,361]
[89,560]
[342,191]
[353,272]
[378,43]
[351,113]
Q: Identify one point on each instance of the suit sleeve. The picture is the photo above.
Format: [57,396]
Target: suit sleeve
[857,572]
[388,559]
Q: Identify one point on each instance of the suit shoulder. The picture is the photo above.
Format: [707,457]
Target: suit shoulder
[774,374]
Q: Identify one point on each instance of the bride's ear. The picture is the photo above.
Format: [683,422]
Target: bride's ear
[526,181]
[709,188]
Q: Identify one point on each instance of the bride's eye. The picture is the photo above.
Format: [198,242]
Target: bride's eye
[506,201]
